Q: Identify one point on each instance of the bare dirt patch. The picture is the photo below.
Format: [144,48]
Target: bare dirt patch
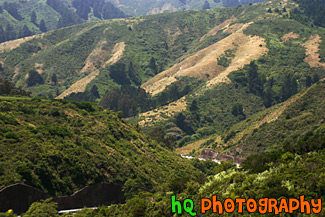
[80,86]
[312,47]
[204,64]
[289,36]
[219,27]
[161,114]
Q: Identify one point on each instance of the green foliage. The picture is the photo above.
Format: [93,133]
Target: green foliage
[311,10]
[60,146]
[295,129]
[42,209]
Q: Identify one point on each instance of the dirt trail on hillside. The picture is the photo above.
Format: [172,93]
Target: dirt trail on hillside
[99,55]
[204,64]
[312,47]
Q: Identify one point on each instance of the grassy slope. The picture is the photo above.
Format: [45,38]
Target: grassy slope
[60,146]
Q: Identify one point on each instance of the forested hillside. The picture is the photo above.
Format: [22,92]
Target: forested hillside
[60,146]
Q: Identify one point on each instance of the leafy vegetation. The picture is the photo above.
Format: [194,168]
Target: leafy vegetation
[25,18]
[60,146]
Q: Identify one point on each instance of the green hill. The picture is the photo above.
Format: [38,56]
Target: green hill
[60,146]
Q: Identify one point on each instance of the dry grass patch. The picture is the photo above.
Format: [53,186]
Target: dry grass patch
[289,36]
[312,47]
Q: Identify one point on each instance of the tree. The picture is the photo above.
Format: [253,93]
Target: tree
[135,78]
[44,208]
[269,10]
[94,92]
[54,78]
[118,74]
[193,106]
[24,32]
[237,111]
[153,65]
[206,5]
[42,26]
[33,18]
[34,78]
[255,83]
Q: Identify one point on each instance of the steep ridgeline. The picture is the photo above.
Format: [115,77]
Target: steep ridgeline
[21,18]
[59,146]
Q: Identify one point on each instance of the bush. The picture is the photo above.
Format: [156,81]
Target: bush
[42,209]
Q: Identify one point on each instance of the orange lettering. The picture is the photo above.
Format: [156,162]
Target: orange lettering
[251,205]
[240,204]
[232,205]
[204,208]
[215,204]
[272,205]
[291,207]
[283,205]
[318,205]
[263,203]
[304,204]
